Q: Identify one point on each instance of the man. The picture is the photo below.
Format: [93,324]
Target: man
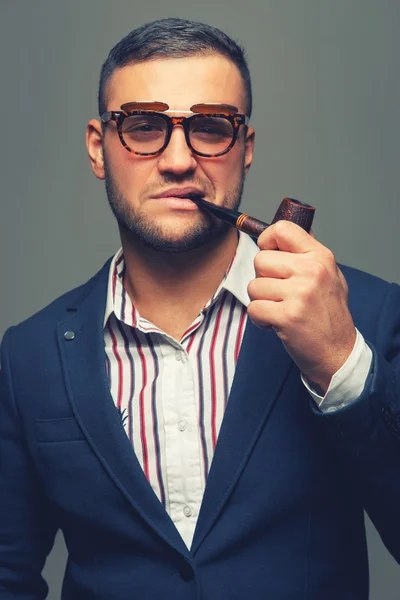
[201,419]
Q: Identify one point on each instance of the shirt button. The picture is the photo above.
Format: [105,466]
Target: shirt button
[178,355]
[182,425]
[187,511]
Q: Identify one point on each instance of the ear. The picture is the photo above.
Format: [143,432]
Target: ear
[94,145]
[248,149]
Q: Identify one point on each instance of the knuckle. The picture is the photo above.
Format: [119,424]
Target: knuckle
[317,271]
[293,315]
[282,227]
[304,292]
[329,257]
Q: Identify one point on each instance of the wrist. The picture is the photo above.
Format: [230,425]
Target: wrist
[319,377]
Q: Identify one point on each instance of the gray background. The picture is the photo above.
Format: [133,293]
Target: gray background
[327,97]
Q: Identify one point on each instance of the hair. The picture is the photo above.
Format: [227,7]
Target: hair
[173,38]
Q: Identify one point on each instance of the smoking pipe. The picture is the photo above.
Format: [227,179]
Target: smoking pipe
[289,209]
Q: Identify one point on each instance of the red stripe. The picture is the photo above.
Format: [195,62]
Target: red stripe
[119,364]
[142,410]
[240,333]
[191,328]
[212,374]
[151,328]
[190,344]
[126,301]
[114,283]
[131,363]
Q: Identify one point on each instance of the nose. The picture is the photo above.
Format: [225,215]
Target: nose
[177,157]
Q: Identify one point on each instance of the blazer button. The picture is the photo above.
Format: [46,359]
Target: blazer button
[186,571]
[69,335]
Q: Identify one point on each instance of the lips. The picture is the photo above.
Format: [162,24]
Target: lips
[179,193]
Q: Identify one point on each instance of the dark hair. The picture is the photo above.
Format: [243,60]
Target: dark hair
[173,38]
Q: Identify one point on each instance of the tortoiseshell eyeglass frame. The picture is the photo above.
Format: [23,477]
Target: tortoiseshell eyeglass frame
[227,112]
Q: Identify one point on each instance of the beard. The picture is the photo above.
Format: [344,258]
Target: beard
[205,231]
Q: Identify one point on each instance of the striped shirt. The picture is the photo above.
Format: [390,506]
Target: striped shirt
[171,395]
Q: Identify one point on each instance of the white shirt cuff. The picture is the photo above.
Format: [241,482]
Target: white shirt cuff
[348,383]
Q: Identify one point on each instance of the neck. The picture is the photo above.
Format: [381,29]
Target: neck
[170,289]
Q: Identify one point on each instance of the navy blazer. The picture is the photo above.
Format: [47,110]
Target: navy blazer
[282,514]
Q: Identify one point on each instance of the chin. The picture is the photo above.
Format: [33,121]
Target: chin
[174,242]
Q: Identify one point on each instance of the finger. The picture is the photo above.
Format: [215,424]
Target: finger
[287,236]
[262,288]
[270,263]
[265,313]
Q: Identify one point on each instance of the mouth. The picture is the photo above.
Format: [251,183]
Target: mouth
[180,193]
[179,198]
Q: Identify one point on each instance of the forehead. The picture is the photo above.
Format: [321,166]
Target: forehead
[180,82]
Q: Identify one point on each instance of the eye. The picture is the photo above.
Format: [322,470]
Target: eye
[211,128]
[148,127]
[143,127]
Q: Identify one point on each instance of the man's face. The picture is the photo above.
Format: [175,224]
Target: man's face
[136,184]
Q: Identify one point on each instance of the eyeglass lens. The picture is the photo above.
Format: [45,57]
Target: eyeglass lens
[147,133]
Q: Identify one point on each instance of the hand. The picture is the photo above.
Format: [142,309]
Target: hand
[301,293]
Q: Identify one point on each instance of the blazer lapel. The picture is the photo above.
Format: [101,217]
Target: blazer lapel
[261,372]
[84,364]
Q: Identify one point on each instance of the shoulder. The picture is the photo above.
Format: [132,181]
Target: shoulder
[360,282]
[372,300]
[358,277]
[56,311]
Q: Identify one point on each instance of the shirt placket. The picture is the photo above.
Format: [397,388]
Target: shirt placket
[184,475]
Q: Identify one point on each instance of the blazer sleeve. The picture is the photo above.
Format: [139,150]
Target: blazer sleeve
[27,527]
[366,433]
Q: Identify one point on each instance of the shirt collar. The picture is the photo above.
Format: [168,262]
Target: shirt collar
[238,276]
[240,272]
[117,267]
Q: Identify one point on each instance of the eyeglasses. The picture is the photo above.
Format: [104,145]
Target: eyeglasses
[145,129]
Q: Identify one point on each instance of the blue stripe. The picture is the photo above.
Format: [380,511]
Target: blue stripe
[225,346]
[124,292]
[122,329]
[108,370]
[201,392]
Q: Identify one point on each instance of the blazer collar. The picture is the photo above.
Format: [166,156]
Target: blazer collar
[83,357]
